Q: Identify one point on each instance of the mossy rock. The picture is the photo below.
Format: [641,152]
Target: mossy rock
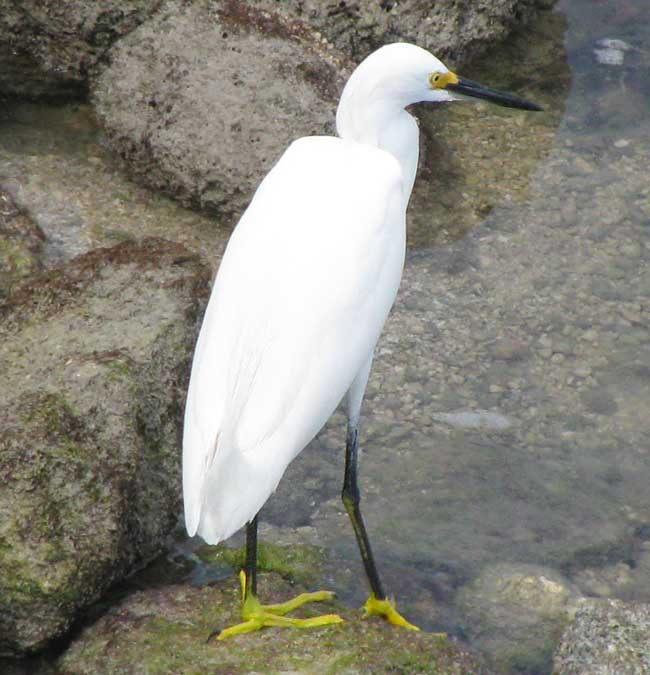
[95,358]
[164,631]
[515,614]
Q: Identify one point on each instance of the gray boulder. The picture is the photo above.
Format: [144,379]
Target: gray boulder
[202,99]
[94,358]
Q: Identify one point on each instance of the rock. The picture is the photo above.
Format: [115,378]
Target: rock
[164,630]
[607,637]
[50,46]
[21,244]
[515,613]
[94,358]
[202,99]
[448,28]
[508,349]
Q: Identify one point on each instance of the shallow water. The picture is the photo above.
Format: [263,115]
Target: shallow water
[506,416]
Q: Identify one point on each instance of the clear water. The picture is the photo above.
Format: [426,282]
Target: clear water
[505,427]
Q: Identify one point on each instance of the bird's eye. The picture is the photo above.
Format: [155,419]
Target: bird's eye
[434,80]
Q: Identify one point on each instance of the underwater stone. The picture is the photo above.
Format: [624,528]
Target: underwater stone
[606,637]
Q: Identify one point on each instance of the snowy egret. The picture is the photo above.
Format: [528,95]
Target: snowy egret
[303,290]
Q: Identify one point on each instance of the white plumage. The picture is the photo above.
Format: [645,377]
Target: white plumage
[300,298]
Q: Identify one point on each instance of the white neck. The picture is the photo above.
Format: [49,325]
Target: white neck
[382,124]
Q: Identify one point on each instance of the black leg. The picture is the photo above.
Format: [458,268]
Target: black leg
[351,500]
[250,566]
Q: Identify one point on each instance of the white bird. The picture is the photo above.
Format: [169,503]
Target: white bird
[298,304]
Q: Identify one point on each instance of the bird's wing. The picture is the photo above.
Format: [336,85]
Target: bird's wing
[300,298]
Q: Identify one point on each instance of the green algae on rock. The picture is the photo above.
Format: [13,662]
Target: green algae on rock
[164,630]
[94,369]
[298,563]
[478,157]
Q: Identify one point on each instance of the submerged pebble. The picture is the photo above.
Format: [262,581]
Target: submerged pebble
[477,419]
[609,57]
[611,51]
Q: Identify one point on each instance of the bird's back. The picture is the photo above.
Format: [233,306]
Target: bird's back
[300,298]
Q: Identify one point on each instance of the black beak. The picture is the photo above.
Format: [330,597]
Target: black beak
[476,90]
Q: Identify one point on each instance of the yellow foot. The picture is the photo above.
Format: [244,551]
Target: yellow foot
[374,607]
[257,616]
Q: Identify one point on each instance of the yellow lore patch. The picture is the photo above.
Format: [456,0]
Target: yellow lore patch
[441,80]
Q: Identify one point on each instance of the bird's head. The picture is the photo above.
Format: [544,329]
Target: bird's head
[403,73]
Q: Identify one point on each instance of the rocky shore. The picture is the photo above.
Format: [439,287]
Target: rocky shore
[506,411]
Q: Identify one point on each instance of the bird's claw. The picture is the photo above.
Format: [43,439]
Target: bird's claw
[385,609]
[257,616]
[264,619]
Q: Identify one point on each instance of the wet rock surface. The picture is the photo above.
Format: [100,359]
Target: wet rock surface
[164,630]
[607,637]
[95,358]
